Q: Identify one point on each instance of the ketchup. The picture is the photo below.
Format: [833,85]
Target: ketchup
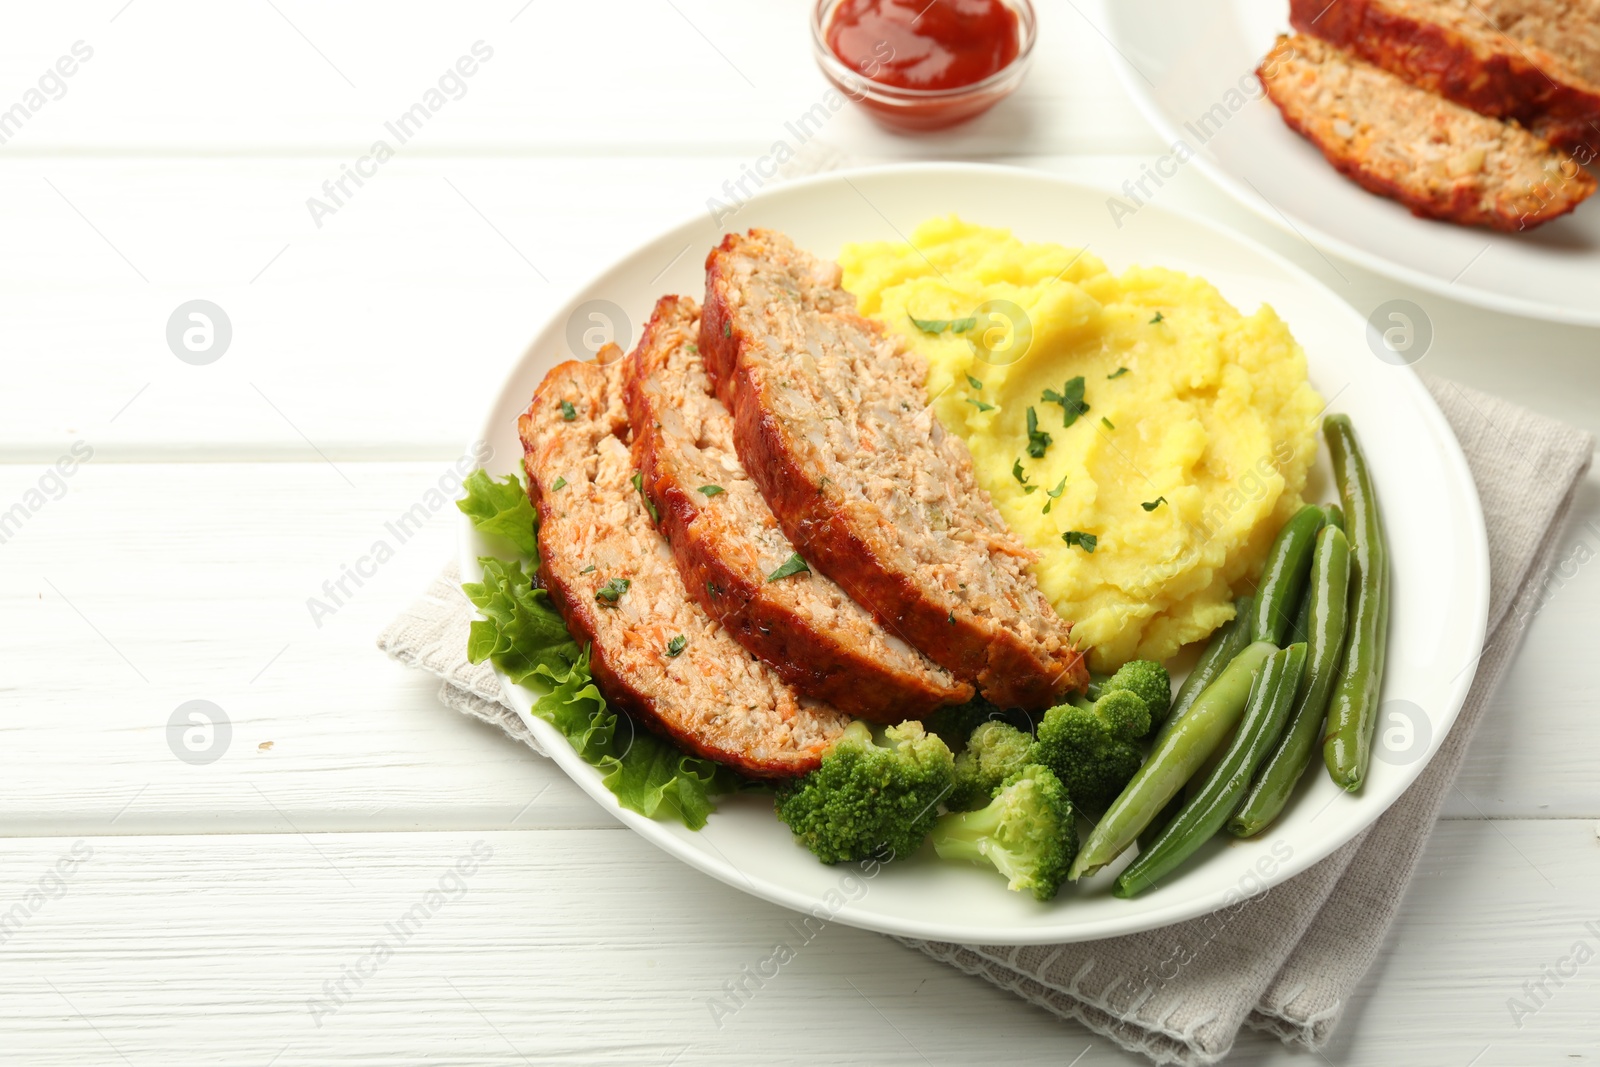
[925,44]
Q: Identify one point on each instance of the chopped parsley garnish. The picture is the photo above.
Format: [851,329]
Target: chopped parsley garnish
[1157,319]
[712,590]
[1071,400]
[936,326]
[1107,423]
[568,412]
[638,483]
[587,570]
[727,327]
[1022,479]
[692,349]
[711,490]
[676,645]
[974,382]
[561,483]
[980,405]
[1119,372]
[1038,440]
[1054,494]
[612,591]
[793,565]
[1083,540]
[952,618]
[1151,505]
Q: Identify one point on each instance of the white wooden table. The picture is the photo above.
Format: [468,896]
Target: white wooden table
[158,911]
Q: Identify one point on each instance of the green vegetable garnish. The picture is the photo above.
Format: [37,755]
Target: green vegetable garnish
[793,565]
[1071,400]
[974,382]
[587,570]
[612,591]
[501,508]
[561,483]
[638,483]
[1157,319]
[980,405]
[1022,479]
[1151,505]
[711,490]
[1038,440]
[1054,494]
[1107,423]
[676,645]
[727,328]
[937,326]
[568,412]
[1119,372]
[1083,540]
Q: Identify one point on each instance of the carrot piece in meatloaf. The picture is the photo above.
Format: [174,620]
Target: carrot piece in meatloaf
[1437,158]
[735,560]
[654,652]
[831,422]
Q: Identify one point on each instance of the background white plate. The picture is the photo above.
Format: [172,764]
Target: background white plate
[1179,61]
[1441,580]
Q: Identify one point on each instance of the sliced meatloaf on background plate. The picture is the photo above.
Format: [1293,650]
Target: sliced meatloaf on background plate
[735,560]
[1535,61]
[831,422]
[1437,158]
[654,652]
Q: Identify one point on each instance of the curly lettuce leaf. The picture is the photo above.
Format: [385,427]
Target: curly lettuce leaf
[501,508]
[520,631]
[522,634]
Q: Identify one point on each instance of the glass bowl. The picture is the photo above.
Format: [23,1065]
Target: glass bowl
[923,109]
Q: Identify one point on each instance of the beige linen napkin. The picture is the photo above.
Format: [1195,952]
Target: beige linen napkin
[1287,959]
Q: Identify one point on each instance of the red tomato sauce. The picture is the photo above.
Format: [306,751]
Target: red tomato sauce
[925,44]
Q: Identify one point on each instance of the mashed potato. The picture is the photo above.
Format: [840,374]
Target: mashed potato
[1184,465]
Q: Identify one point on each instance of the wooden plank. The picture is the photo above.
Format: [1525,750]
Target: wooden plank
[149,585]
[592,947]
[605,77]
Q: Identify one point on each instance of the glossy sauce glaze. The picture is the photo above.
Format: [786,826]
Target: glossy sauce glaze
[925,44]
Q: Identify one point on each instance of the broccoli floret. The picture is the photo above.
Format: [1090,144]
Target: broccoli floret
[954,723]
[1146,678]
[866,796]
[1028,832]
[1093,748]
[994,752]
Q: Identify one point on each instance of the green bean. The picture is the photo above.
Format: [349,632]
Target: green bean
[1226,643]
[1283,578]
[1271,698]
[1330,586]
[1179,751]
[1148,835]
[1353,706]
[1333,515]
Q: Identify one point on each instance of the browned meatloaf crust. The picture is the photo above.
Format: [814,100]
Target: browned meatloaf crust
[727,543]
[1437,158]
[1531,70]
[712,697]
[832,424]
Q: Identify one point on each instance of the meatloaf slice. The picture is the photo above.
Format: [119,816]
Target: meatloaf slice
[1539,68]
[831,422]
[728,545]
[612,578]
[1437,158]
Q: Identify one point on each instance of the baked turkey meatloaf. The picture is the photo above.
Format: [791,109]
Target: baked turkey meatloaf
[1437,158]
[831,422]
[653,651]
[734,558]
[1530,60]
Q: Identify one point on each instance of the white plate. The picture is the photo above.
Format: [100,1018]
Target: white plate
[1441,579]
[1181,60]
